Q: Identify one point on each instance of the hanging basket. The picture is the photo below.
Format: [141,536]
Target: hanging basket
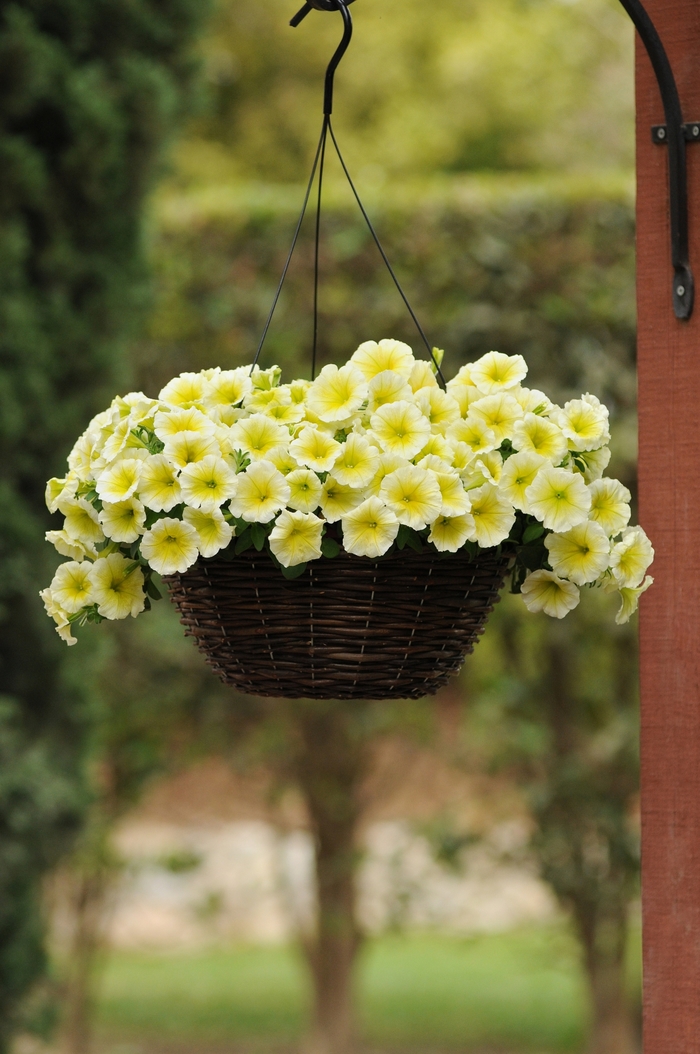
[348,628]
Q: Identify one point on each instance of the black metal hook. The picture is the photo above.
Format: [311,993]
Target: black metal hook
[674,134]
[329,5]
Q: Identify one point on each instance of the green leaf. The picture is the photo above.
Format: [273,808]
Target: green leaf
[408,537]
[330,548]
[258,534]
[244,542]
[293,572]
[533,531]
[153,590]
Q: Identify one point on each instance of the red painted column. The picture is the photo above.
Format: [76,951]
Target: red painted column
[669,484]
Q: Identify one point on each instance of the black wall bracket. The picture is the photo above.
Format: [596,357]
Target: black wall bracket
[675,134]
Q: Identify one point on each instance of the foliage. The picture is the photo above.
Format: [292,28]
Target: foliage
[454,86]
[88,94]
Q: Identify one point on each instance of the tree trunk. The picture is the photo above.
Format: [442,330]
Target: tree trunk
[88,889]
[330,764]
[612,1020]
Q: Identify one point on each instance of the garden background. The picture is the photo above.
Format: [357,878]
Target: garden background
[152,159]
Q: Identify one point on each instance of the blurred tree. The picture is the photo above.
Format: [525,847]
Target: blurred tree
[89,92]
[454,86]
[157,707]
[557,705]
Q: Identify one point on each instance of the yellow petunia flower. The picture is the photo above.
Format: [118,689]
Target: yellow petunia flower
[60,617]
[227,387]
[258,435]
[213,532]
[631,557]
[437,446]
[413,495]
[70,547]
[422,376]
[449,533]
[498,412]
[517,474]
[544,591]
[400,428]
[581,554]
[558,498]
[455,500]
[117,587]
[159,488]
[493,516]
[337,499]
[58,490]
[610,505]
[439,407]
[464,395]
[485,469]
[71,587]
[357,463]
[305,490]
[123,521]
[186,448]
[370,529]
[540,436]
[296,538]
[387,387]
[82,522]
[596,462]
[474,433]
[170,546]
[208,483]
[282,460]
[532,400]
[315,449]
[584,422]
[495,372]
[387,464]
[120,481]
[372,358]
[629,598]
[185,390]
[173,421]
[262,492]
[337,394]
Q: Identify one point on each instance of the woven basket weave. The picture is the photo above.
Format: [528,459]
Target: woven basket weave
[348,628]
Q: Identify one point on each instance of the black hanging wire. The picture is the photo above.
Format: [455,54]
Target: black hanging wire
[318,166]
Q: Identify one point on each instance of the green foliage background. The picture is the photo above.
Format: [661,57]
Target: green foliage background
[89,92]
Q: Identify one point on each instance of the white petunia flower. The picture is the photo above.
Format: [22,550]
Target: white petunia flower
[357,463]
[227,387]
[581,554]
[584,422]
[258,436]
[370,529]
[82,522]
[120,481]
[544,591]
[422,376]
[337,499]
[70,547]
[455,500]
[474,433]
[629,598]
[159,488]
[296,538]
[58,490]
[558,498]
[171,422]
[464,395]
[387,387]
[540,436]
[186,448]
[439,407]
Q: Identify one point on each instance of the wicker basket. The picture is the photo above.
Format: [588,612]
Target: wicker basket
[347,628]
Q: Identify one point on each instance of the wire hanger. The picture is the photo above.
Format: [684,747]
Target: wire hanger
[319,166]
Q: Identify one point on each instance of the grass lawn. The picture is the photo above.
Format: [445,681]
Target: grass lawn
[519,991]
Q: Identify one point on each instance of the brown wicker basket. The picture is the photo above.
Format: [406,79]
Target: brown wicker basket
[347,628]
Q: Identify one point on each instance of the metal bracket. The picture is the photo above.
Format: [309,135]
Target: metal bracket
[674,134]
[691,133]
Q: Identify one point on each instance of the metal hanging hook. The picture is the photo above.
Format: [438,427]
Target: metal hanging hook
[329,5]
